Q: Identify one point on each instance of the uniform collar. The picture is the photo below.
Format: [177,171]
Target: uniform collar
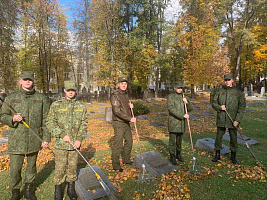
[27,93]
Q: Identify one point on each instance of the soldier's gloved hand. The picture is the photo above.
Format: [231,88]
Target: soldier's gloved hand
[133,120]
[17,117]
[223,107]
[186,116]
[67,139]
[44,144]
[76,144]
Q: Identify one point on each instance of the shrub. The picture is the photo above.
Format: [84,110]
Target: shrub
[140,109]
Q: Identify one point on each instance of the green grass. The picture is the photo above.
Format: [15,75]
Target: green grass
[219,185]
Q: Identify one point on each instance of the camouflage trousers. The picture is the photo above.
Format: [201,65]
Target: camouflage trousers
[175,142]
[65,166]
[233,138]
[122,132]
[16,162]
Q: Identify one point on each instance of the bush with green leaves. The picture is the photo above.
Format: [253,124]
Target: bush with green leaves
[140,109]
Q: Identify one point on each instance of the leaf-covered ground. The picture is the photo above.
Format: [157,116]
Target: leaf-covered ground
[181,184]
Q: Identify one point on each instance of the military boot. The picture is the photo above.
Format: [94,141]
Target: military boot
[15,194]
[71,191]
[179,157]
[233,158]
[217,156]
[173,159]
[58,192]
[29,193]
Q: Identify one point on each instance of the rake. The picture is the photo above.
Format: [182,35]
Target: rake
[107,190]
[195,167]
[144,176]
[257,162]
[26,125]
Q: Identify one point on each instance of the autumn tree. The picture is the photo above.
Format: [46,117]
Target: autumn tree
[9,11]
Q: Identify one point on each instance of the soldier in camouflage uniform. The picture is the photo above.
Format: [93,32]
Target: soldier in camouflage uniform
[233,100]
[32,107]
[176,124]
[67,123]
[121,118]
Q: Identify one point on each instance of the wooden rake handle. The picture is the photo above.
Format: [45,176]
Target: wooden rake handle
[188,124]
[136,131]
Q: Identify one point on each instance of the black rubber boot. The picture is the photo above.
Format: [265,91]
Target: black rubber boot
[71,191]
[233,158]
[29,193]
[179,157]
[15,194]
[217,156]
[58,192]
[173,159]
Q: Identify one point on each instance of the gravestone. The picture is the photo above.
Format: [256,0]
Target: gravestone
[209,105]
[262,91]
[5,133]
[207,113]
[148,101]
[156,104]
[89,105]
[240,140]
[250,91]
[108,115]
[203,101]
[100,107]
[81,186]
[100,111]
[194,116]
[163,99]
[196,108]
[157,124]
[245,90]
[140,100]
[3,141]
[102,104]
[142,117]
[208,145]
[161,114]
[155,163]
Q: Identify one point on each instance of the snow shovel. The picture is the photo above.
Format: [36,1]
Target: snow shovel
[25,124]
[194,167]
[257,162]
[144,176]
[107,190]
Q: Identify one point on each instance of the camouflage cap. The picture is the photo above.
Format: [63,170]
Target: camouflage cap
[70,85]
[122,79]
[179,84]
[228,76]
[27,75]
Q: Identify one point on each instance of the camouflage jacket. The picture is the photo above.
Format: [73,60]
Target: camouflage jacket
[177,111]
[235,104]
[67,117]
[34,108]
[120,106]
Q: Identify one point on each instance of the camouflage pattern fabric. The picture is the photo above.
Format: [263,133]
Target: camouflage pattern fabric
[175,142]
[176,109]
[65,166]
[16,161]
[34,108]
[233,139]
[120,106]
[234,101]
[67,117]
